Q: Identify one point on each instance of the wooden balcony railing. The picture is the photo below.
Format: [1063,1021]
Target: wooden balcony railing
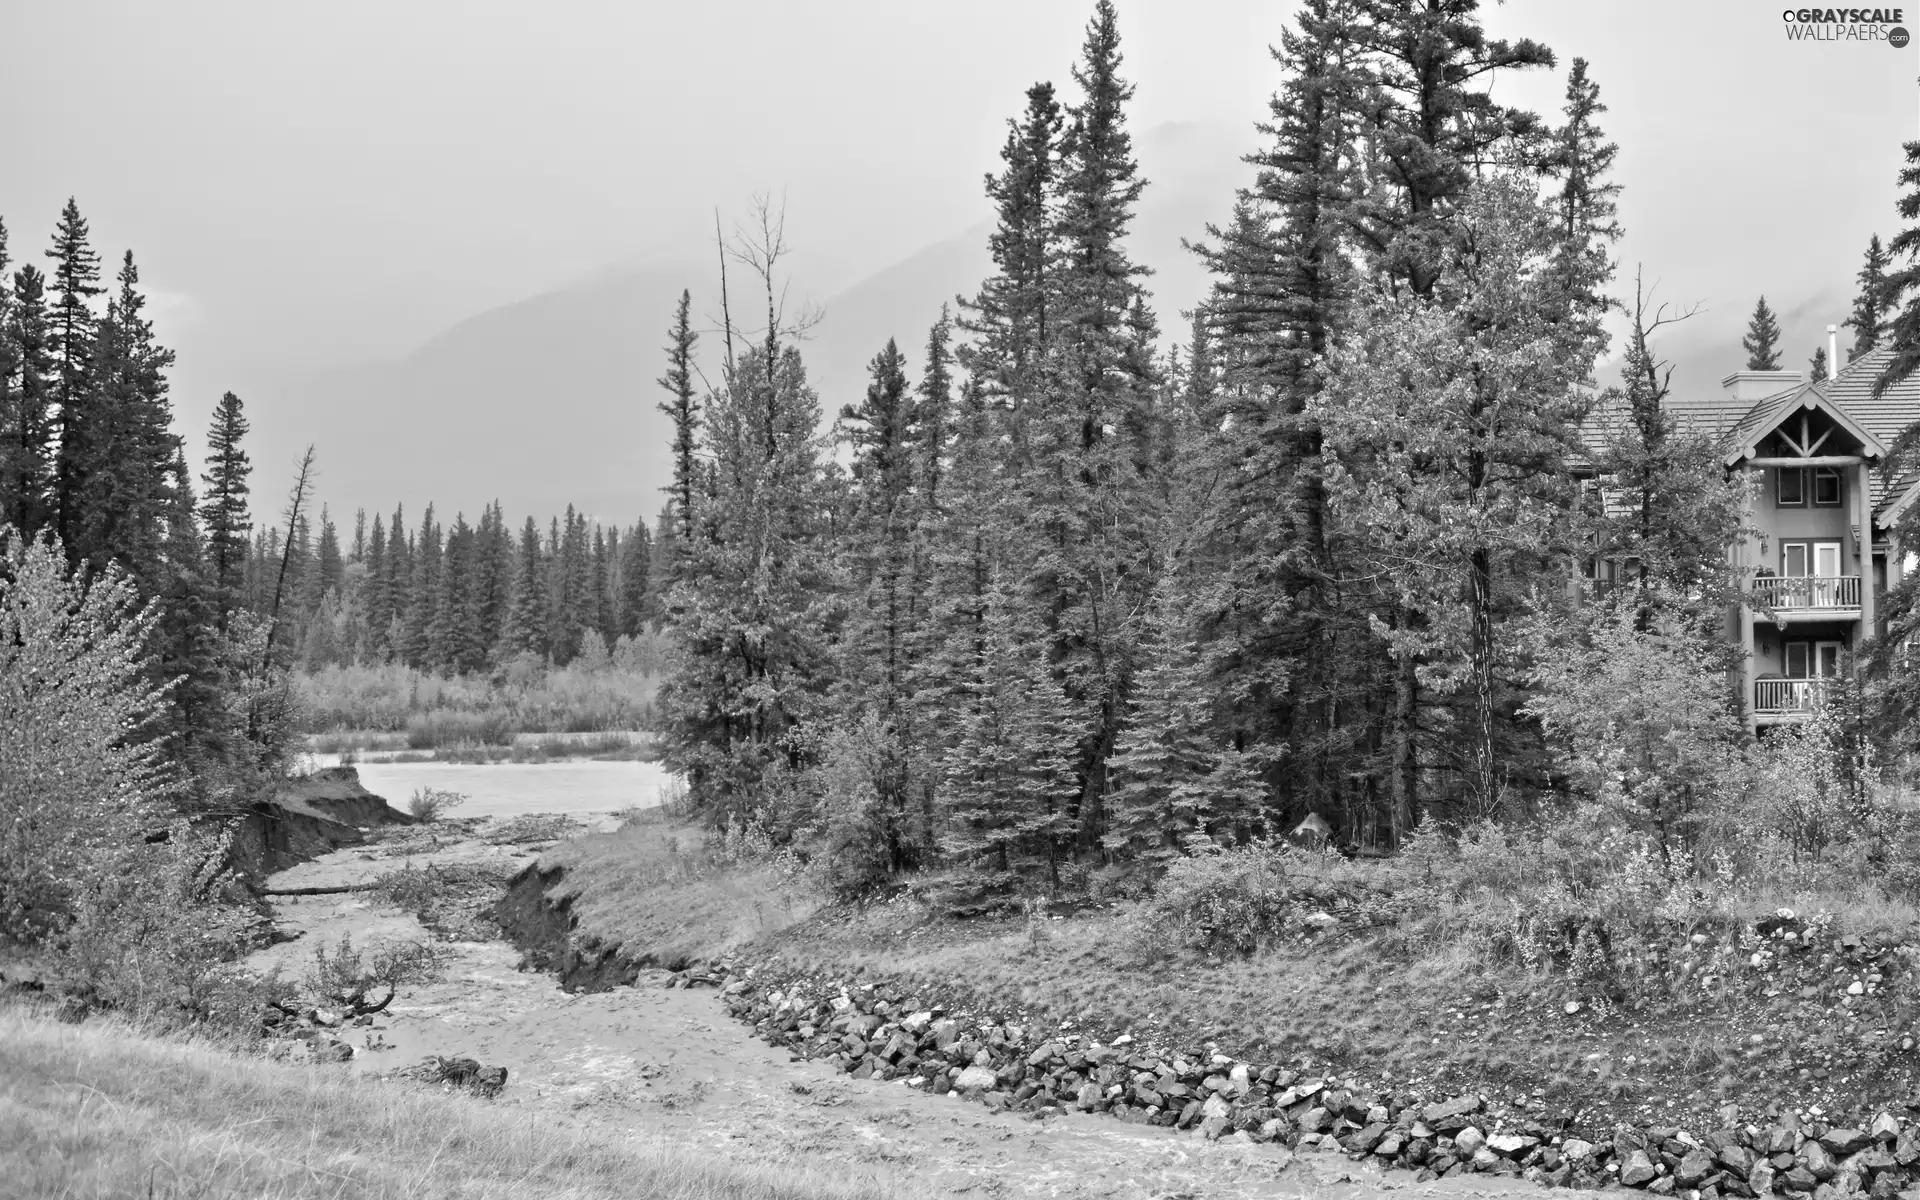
[1787,695]
[1807,591]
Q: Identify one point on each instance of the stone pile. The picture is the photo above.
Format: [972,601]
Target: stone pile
[875,1032]
[466,1074]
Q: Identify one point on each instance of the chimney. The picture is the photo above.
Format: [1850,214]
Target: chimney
[1745,387]
[1833,351]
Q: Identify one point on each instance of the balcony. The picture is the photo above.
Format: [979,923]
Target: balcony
[1776,701]
[1807,597]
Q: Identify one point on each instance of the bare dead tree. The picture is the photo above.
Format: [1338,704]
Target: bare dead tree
[759,245]
[726,314]
[302,486]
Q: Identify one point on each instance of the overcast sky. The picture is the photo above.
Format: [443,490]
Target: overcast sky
[315,184]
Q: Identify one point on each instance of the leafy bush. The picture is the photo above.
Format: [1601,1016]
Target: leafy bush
[430,804]
[428,730]
[347,982]
[80,786]
[1236,901]
[160,938]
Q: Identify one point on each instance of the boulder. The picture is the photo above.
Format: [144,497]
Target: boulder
[1842,1142]
[1365,1141]
[974,1079]
[1468,1142]
[1906,1151]
[1694,1167]
[1511,1145]
[1814,1156]
[1884,1128]
[1637,1170]
[1449,1115]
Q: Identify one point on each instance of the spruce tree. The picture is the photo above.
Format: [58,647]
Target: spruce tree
[423,593]
[1009,317]
[330,566]
[636,579]
[1872,303]
[26,465]
[1762,340]
[1432,126]
[1817,365]
[933,405]
[525,628]
[390,636]
[684,411]
[1084,565]
[753,603]
[600,607]
[10,410]
[1581,159]
[1164,756]
[1288,641]
[189,651]
[76,281]
[377,612]
[223,511]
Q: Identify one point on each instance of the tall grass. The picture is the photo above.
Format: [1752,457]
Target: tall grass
[476,709]
[99,1110]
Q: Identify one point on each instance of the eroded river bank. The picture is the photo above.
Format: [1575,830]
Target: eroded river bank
[672,1064]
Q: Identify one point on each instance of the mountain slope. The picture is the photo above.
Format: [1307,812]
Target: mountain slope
[550,400]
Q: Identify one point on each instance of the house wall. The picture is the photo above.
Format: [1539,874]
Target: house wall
[1809,523]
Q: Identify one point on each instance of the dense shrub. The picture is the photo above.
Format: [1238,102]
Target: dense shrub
[430,804]
[443,727]
[523,696]
[80,786]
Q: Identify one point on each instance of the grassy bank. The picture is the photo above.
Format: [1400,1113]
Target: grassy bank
[99,1110]
[375,746]
[1356,969]
[665,888]
[432,710]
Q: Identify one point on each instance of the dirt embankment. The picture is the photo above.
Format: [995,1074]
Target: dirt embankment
[307,818]
[541,925]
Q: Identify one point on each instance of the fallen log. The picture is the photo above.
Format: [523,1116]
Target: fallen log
[334,890]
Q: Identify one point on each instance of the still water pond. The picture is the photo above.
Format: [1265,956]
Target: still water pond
[509,789]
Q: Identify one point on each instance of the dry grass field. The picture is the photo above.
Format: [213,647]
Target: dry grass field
[101,1110]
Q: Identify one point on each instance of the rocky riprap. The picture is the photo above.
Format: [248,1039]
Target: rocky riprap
[873,1031]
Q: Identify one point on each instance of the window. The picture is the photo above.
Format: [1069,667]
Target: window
[1810,558]
[1790,487]
[1798,659]
[1826,486]
[1813,660]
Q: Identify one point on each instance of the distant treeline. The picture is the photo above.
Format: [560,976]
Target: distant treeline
[458,599]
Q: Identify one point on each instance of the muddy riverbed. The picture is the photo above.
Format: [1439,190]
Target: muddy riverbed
[672,1064]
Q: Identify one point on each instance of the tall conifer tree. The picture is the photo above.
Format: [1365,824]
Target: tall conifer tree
[1762,339]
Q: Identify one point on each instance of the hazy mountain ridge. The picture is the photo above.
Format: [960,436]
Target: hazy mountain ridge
[550,400]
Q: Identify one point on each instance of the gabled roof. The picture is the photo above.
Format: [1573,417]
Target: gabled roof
[1764,417]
